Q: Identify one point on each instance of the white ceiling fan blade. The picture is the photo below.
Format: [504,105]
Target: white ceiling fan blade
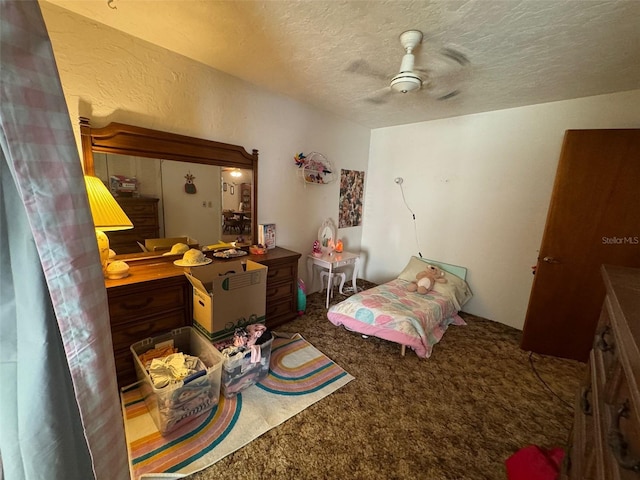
[379,96]
[455,55]
[445,73]
[363,68]
[447,96]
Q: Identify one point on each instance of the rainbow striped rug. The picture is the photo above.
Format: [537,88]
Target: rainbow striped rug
[299,376]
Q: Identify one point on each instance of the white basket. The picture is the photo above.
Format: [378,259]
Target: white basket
[317,170]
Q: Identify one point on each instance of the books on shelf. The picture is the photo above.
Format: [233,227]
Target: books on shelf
[267,235]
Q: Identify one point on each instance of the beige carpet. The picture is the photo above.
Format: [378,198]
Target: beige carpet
[457,415]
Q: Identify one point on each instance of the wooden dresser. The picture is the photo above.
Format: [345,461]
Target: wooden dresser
[282,285]
[606,431]
[157,297]
[143,213]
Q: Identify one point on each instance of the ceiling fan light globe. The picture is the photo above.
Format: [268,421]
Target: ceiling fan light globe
[405,82]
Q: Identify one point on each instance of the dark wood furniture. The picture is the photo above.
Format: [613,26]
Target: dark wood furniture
[282,285]
[156,297]
[592,220]
[606,431]
[131,141]
[153,299]
[143,213]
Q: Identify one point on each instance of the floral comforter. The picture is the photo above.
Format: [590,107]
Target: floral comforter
[390,312]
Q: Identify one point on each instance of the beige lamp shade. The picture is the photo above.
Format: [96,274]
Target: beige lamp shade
[107,215]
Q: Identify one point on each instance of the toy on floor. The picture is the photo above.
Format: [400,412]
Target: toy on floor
[302,297]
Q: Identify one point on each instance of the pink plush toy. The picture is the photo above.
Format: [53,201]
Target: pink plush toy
[426,279]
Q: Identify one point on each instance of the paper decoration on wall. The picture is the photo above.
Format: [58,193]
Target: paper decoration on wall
[351,198]
[189,187]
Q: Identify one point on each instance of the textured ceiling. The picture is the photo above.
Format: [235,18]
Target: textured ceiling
[520,52]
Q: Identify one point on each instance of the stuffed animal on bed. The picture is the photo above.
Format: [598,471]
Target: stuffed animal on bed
[426,279]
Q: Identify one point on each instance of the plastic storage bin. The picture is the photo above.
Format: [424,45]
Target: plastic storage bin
[239,372]
[178,403]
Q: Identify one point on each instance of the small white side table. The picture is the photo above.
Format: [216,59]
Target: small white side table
[331,261]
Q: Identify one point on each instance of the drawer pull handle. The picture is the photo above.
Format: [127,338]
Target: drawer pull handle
[619,445]
[601,341]
[585,404]
[137,306]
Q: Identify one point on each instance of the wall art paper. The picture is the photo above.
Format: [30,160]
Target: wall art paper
[351,198]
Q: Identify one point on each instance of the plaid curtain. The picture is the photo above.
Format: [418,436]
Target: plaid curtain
[60,410]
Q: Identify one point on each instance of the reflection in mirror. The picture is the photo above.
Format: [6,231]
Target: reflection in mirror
[173,186]
[191,198]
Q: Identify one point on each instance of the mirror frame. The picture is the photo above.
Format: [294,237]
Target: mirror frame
[328,226]
[123,139]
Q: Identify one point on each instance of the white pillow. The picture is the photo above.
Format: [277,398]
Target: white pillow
[456,288]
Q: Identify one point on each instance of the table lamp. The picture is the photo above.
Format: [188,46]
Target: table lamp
[107,215]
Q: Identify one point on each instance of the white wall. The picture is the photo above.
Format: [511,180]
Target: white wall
[479,184]
[109,76]
[194,215]
[480,187]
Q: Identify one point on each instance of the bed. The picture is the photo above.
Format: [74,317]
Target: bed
[389,311]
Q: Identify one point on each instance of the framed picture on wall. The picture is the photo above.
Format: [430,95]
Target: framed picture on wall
[231,190]
[351,198]
[224,186]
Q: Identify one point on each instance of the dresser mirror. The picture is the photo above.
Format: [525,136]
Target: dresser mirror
[172,186]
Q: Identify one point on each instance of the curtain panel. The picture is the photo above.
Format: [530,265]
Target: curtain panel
[61,415]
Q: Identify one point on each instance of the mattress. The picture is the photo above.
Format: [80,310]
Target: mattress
[389,311]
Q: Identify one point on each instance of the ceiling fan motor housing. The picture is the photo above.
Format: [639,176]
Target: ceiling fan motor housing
[406,82]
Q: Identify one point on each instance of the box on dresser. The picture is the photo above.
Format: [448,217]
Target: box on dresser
[157,297]
[606,432]
[227,295]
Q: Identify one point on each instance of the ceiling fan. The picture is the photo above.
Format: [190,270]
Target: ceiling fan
[411,78]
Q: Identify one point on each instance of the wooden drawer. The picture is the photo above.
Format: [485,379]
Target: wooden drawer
[281,273]
[275,293]
[127,240]
[139,206]
[125,335]
[143,222]
[582,448]
[282,285]
[279,313]
[145,302]
[141,212]
[606,445]
[133,235]
[124,367]
[622,421]
[605,343]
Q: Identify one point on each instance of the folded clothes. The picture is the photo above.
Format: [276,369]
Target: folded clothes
[173,368]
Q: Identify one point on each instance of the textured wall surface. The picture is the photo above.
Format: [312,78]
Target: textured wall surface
[110,76]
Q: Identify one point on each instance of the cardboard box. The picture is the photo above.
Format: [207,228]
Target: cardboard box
[227,295]
[177,404]
[240,373]
[165,244]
